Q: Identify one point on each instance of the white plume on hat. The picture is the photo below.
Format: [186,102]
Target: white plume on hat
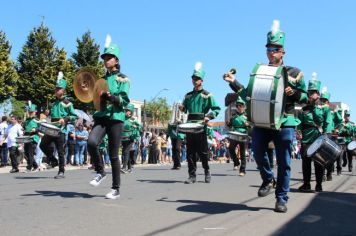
[198,65]
[275,27]
[314,75]
[29,103]
[325,89]
[107,41]
[60,76]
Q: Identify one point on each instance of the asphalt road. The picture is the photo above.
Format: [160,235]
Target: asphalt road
[155,201]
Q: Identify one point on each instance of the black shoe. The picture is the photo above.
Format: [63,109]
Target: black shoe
[280,207]
[91,168]
[350,168]
[265,188]
[329,177]
[175,168]
[191,180]
[344,164]
[318,188]
[305,188]
[60,175]
[207,177]
[14,170]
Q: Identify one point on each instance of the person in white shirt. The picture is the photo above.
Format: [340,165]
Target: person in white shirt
[3,142]
[13,131]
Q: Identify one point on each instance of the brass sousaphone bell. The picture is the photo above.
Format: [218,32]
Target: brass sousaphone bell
[87,87]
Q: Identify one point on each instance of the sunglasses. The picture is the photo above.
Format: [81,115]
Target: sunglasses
[274,50]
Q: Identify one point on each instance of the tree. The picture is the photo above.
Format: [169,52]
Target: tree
[159,111]
[87,56]
[38,67]
[18,108]
[8,74]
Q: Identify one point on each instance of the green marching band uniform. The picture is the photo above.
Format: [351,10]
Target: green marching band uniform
[283,137]
[109,120]
[197,104]
[62,108]
[238,123]
[347,131]
[176,139]
[31,125]
[315,121]
[130,134]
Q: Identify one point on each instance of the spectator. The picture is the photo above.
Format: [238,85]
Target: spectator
[13,131]
[3,142]
[81,137]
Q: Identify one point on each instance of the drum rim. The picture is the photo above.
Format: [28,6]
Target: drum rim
[47,125]
[195,126]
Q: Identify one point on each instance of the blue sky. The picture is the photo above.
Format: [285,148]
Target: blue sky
[161,40]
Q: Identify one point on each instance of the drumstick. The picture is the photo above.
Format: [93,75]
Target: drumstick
[232,71]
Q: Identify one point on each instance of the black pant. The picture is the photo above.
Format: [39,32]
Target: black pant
[48,149]
[126,157]
[270,157]
[30,149]
[14,154]
[306,166]
[232,150]
[70,152]
[197,147]
[113,128]
[176,146]
[347,156]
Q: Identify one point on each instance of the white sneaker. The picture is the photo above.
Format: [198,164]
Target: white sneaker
[97,180]
[113,194]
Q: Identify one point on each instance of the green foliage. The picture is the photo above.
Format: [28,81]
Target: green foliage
[18,108]
[87,56]
[159,111]
[8,74]
[38,67]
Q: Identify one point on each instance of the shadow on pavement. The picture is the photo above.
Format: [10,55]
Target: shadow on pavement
[61,194]
[158,181]
[32,177]
[218,174]
[329,213]
[207,207]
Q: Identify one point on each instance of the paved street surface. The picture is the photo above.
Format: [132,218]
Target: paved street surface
[155,201]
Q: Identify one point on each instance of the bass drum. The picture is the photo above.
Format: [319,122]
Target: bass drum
[265,96]
[49,129]
[191,128]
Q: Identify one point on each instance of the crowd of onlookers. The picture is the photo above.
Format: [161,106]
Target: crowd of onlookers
[152,148]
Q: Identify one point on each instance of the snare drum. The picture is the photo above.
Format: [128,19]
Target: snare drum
[191,128]
[23,139]
[324,151]
[265,96]
[49,129]
[352,147]
[237,136]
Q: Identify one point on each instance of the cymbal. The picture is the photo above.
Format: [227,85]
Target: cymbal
[83,85]
[101,86]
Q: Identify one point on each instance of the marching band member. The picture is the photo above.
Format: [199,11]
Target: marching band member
[329,125]
[31,125]
[62,111]
[347,130]
[197,104]
[312,121]
[176,138]
[295,92]
[110,120]
[238,123]
[131,125]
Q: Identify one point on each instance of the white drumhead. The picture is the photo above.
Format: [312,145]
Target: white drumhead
[190,125]
[261,95]
[314,146]
[49,126]
[351,146]
[236,133]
